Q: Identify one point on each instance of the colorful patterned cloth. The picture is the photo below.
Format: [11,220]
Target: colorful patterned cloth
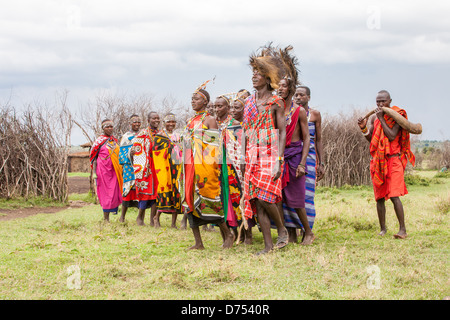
[167,172]
[235,157]
[127,165]
[230,171]
[202,187]
[250,110]
[98,143]
[261,156]
[144,168]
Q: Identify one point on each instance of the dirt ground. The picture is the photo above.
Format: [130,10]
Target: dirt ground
[76,185]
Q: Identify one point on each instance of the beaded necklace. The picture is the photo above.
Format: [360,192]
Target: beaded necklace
[289,115]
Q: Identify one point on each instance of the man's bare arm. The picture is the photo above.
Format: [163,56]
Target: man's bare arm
[280,124]
[319,147]
[390,133]
[303,123]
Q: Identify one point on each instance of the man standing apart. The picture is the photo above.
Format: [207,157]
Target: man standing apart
[390,150]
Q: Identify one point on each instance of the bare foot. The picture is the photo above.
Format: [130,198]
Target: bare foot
[196,247]
[292,235]
[382,232]
[228,241]
[308,239]
[248,236]
[140,222]
[400,235]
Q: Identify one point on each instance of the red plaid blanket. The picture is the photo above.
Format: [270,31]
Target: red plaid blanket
[261,156]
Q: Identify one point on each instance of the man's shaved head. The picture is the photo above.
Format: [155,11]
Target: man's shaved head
[385,92]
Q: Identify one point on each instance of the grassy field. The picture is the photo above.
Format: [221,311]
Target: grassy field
[72,254]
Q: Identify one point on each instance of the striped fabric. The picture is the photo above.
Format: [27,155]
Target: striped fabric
[311,176]
[290,216]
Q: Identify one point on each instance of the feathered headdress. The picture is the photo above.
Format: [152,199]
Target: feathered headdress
[275,64]
[201,89]
[290,63]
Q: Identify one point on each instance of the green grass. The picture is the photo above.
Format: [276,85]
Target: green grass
[125,261]
[78,174]
[22,202]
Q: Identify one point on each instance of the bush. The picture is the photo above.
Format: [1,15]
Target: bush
[34,146]
[415,180]
[346,151]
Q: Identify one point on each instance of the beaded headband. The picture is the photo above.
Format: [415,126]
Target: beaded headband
[170,117]
[107,123]
[228,97]
[135,119]
[240,101]
[203,87]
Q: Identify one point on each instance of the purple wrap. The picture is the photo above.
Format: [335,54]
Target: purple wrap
[293,188]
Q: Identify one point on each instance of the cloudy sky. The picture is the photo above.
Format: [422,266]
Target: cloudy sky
[348,50]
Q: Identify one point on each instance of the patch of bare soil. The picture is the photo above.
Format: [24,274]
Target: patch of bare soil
[76,185]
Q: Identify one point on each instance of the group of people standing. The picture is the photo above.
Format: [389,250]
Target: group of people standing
[243,160]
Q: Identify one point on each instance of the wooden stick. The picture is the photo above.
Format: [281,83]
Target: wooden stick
[414,128]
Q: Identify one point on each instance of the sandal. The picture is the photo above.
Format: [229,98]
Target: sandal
[282,242]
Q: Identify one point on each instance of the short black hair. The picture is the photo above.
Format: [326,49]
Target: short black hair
[149,114]
[386,92]
[308,91]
